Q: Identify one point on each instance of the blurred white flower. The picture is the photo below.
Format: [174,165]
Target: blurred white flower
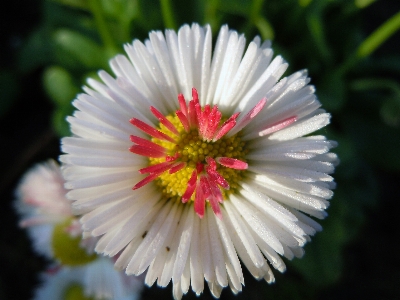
[57,234]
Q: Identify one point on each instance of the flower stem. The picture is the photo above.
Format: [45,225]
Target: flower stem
[168,17]
[102,27]
[371,43]
[379,36]
[210,13]
[262,24]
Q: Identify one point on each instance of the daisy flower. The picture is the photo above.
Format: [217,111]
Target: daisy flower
[57,234]
[191,162]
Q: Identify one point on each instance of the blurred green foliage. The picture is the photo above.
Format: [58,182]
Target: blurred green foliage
[76,38]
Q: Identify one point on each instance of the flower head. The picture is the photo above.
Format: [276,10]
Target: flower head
[191,158]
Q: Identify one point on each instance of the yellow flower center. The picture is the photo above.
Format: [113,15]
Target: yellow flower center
[193,154]
[192,150]
[67,249]
[75,292]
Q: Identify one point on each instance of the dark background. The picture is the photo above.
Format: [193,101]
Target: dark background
[357,254]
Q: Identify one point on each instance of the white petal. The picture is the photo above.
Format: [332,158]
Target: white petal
[231,257]
[196,266]
[216,252]
[206,256]
[256,223]
[153,241]
[184,245]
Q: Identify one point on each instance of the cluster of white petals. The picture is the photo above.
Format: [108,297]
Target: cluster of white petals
[269,216]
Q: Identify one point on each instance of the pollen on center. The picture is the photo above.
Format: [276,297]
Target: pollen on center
[192,150]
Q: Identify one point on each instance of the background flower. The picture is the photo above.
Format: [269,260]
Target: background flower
[356,73]
[56,233]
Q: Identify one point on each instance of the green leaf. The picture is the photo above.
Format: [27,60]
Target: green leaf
[81,49]
[103,27]
[363,3]
[168,14]
[265,28]
[81,4]
[211,17]
[379,36]
[304,3]
[59,85]
[120,15]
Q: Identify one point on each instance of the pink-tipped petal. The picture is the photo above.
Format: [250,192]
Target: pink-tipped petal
[184,120]
[161,167]
[249,116]
[278,126]
[205,187]
[213,122]
[200,120]
[146,143]
[215,190]
[215,176]
[145,181]
[199,167]
[208,193]
[145,151]
[192,116]
[177,167]
[226,127]
[195,95]
[190,188]
[206,121]
[215,207]
[182,105]
[211,162]
[232,163]
[163,120]
[199,201]
[150,130]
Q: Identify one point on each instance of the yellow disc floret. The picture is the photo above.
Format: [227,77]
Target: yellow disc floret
[192,149]
[66,248]
[75,292]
